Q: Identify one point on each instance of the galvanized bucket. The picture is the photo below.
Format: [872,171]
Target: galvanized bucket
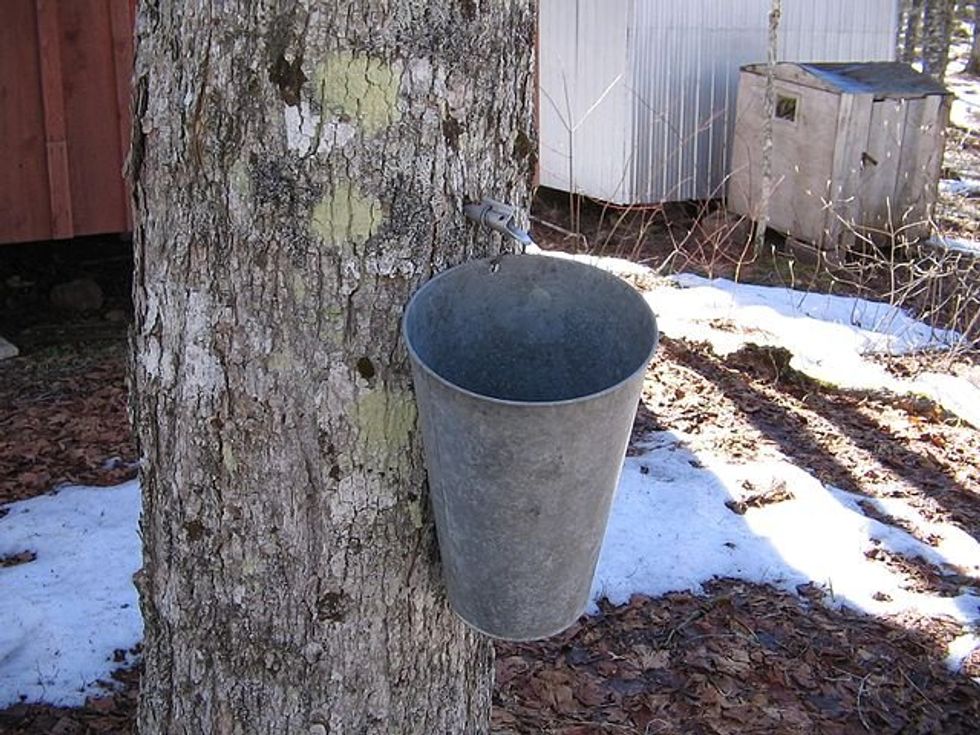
[527,373]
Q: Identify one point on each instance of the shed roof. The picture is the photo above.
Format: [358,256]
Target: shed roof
[880,78]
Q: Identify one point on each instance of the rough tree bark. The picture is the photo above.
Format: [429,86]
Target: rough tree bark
[973,63]
[910,18]
[937,29]
[299,168]
[772,56]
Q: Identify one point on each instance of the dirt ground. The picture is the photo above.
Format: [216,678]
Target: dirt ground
[742,658]
[63,403]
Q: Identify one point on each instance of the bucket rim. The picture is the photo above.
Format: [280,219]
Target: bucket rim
[417,360]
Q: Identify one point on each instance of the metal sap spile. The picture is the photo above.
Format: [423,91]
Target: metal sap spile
[500,217]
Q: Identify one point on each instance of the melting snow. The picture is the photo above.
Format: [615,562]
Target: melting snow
[829,336]
[66,612]
[970,247]
[670,529]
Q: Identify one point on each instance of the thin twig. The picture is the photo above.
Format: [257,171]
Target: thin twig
[859,707]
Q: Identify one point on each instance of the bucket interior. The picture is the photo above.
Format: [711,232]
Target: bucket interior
[532,329]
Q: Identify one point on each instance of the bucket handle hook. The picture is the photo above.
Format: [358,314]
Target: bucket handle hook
[500,217]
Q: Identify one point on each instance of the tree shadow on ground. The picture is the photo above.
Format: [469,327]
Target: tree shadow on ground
[738,376]
[743,659]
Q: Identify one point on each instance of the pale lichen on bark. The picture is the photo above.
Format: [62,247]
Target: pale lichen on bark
[362,88]
[346,214]
[385,420]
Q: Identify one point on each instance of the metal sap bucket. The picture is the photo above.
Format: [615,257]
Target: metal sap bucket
[527,373]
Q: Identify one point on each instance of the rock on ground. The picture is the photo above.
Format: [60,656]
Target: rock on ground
[7,349]
[81,294]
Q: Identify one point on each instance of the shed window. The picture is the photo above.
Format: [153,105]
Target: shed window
[786,107]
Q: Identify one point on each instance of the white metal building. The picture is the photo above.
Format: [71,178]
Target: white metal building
[637,97]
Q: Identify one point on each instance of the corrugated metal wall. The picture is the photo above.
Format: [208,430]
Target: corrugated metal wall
[638,96]
[585,111]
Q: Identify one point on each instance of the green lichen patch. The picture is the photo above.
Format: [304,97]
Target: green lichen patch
[297,286]
[228,458]
[416,513]
[346,214]
[362,88]
[385,420]
[279,361]
[240,181]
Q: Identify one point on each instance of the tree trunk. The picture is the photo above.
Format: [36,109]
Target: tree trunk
[299,168]
[911,21]
[769,105]
[973,63]
[937,29]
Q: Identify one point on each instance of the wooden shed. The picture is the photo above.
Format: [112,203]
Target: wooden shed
[65,69]
[857,151]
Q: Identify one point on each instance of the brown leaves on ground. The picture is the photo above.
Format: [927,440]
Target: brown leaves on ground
[112,713]
[64,420]
[754,497]
[924,576]
[744,659]
[13,560]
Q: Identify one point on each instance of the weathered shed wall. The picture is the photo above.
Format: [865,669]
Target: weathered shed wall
[670,68]
[859,159]
[65,68]
[803,156]
[907,139]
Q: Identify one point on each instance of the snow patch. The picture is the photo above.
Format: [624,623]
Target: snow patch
[671,530]
[65,613]
[829,336]
[618,266]
[851,324]
[961,647]
[970,247]
[960,187]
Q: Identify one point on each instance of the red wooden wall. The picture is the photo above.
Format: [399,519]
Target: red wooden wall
[65,68]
